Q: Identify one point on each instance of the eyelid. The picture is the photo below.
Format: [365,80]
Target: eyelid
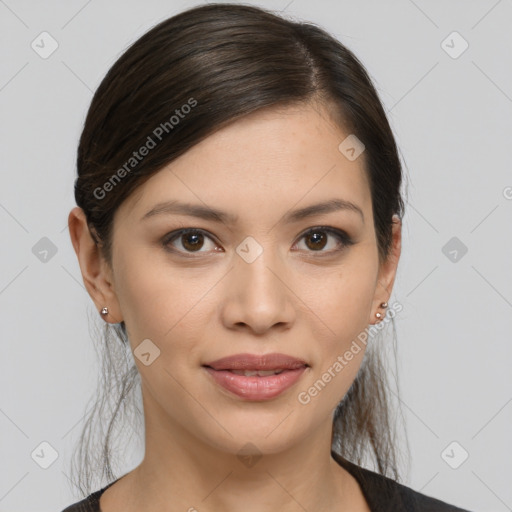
[332,230]
[169,237]
[343,237]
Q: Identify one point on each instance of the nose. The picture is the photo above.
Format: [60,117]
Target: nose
[258,296]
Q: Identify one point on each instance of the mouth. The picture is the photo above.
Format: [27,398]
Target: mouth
[256,373]
[256,377]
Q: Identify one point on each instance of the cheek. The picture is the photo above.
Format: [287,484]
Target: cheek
[340,304]
[339,345]
[342,300]
[162,304]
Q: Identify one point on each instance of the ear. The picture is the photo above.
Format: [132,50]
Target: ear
[96,273]
[387,271]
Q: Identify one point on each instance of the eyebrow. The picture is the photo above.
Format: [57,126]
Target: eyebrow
[213,214]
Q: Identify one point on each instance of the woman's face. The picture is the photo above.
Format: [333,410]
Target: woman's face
[252,284]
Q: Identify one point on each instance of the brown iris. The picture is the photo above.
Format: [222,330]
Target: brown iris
[319,240]
[192,241]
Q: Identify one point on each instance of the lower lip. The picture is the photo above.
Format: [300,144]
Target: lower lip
[256,388]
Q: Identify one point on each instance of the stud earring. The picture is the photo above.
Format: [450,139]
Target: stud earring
[382,305]
[104,311]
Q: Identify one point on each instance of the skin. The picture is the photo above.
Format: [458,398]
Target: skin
[196,309]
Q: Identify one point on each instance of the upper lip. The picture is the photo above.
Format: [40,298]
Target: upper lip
[253,362]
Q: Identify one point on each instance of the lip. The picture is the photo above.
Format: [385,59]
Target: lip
[256,388]
[256,362]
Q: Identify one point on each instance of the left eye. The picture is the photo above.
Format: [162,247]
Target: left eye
[192,240]
[316,239]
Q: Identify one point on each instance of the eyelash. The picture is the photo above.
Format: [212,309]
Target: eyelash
[342,236]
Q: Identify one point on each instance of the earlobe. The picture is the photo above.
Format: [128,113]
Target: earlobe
[95,270]
[387,271]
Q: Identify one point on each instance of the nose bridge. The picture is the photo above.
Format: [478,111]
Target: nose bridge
[256,268]
[259,297]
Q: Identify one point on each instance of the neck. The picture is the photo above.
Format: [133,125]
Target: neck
[179,472]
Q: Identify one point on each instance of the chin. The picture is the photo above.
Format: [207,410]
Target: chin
[257,431]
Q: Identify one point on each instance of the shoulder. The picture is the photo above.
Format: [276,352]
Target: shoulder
[85,505]
[89,504]
[386,495]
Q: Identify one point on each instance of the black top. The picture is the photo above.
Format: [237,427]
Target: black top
[383,494]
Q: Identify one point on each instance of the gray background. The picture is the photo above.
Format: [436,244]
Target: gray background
[452,118]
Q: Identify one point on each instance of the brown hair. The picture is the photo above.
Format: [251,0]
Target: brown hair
[184,79]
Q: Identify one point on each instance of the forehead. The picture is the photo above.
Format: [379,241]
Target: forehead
[269,160]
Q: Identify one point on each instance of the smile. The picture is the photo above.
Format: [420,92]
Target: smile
[256,377]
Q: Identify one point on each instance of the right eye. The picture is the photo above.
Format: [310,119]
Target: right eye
[190,240]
